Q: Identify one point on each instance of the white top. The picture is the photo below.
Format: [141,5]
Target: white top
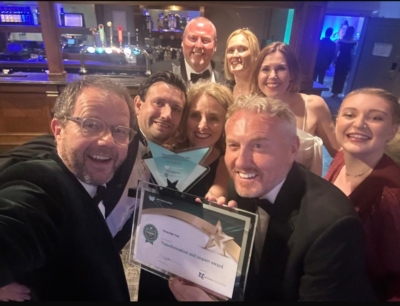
[310,151]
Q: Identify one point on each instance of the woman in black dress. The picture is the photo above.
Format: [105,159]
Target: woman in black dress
[344,59]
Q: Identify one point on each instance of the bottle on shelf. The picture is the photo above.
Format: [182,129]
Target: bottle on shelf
[7,15]
[149,24]
[183,23]
[160,22]
[13,15]
[17,15]
[37,16]
[173,23]
[29,17]
[62,16]
[165,22]
[177,22]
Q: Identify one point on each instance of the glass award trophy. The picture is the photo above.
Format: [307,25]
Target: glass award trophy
[176,170]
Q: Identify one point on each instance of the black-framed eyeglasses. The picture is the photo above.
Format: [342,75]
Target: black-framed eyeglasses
[91,128]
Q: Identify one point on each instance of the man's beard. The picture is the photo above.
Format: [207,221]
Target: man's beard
[74,161]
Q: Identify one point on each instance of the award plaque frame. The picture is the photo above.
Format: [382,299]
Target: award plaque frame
[179,234]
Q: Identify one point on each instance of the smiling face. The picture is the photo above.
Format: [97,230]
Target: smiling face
[259,152]
[364,124]
[205,123]
[159,116]
[198,44]
[92,160]
[238,55]
[274,75]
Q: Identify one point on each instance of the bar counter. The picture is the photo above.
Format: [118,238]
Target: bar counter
[26,100]
[21,78]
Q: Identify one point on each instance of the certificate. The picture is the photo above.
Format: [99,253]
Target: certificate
[205,244]
[178,170]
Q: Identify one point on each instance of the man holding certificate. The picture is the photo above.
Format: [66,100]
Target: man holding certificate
[309,241]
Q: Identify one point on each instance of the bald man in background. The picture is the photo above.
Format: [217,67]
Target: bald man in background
[199,43]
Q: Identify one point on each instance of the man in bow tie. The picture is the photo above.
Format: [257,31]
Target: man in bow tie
[199,42]
[308,242]
[52,234]
[158,109]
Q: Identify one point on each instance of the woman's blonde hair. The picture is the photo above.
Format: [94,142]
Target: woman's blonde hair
[254,47]
[220,93]
[385,95]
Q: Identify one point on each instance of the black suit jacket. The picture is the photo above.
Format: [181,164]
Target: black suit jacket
[41,147]
[54,238]
[314,247]
[177,66]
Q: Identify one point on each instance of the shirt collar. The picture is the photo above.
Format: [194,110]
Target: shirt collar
[271,196]
[190,70]
[91,189]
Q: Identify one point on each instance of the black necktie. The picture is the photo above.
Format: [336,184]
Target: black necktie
[194,77]
[266,205]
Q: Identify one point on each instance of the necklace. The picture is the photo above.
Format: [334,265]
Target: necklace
[357,175]
[239,89]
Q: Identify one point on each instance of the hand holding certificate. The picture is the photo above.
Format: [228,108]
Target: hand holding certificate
[209,246]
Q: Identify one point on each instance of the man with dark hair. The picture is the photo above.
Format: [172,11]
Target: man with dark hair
[52,232]
[325,56]
[159,107]
[199,42]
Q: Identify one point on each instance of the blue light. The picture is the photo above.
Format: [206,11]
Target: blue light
[136,51]
[100,50]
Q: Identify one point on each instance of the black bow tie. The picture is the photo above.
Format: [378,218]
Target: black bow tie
[100,196]
[194,77]
[266,205]
[100,193]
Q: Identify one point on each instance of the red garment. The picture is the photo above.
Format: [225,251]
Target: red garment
[377,201]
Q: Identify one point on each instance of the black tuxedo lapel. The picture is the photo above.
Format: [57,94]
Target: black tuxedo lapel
[275,251]
[183,69]
[78,187]
[116,186]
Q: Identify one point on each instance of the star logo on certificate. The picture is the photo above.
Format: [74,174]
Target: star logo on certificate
[218,238]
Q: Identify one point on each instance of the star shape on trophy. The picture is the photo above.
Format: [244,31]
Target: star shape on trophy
[218,238]
[171,185]
[176,170]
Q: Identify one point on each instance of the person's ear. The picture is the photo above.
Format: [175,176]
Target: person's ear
[137,103]
[295,145]
[393,132]
[56,127]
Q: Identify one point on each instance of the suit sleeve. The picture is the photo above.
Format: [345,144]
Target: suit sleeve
[28,232]
[334,266]
[38,148]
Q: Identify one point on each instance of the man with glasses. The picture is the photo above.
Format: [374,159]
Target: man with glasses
[159,107]
[199,42]
[53,236]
